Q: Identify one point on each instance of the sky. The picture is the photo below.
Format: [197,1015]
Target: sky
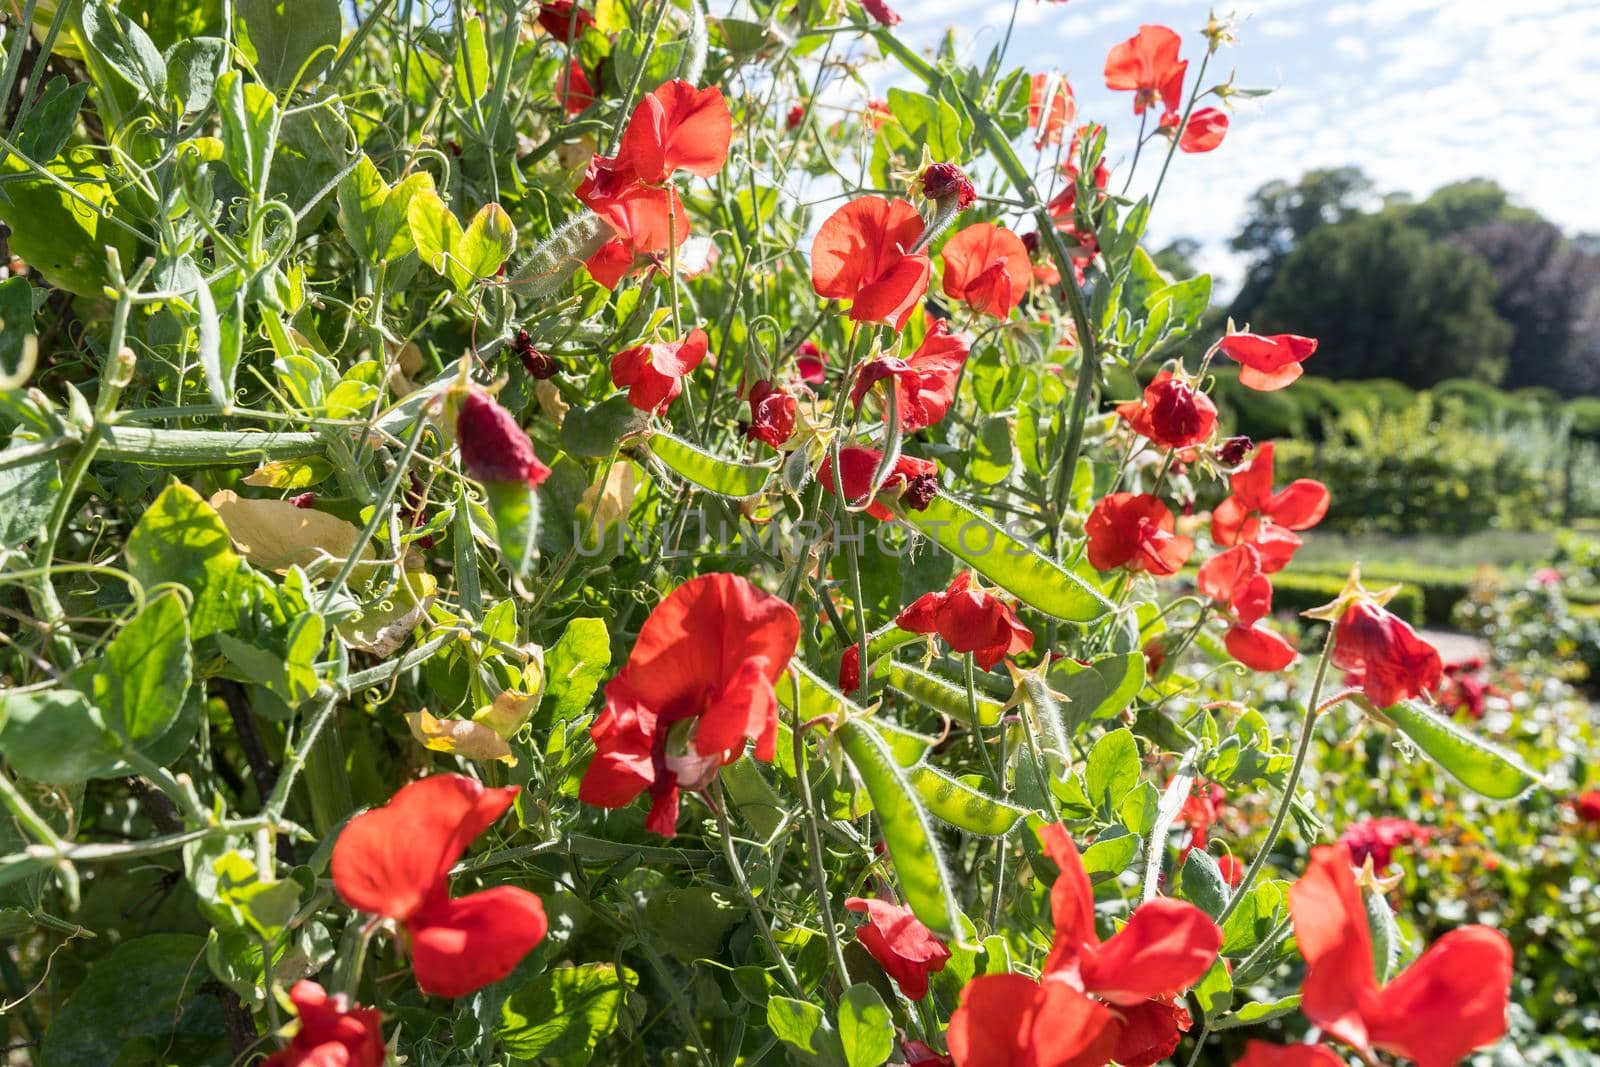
[1417,93]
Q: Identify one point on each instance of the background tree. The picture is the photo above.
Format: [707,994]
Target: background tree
[1281,214]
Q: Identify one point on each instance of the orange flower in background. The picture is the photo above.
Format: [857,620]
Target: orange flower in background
[1263,1054]
[1235,580]
[924,383]
[1268,363]
[696,690]
[914,481]
[904,947]
[1254,514]
[1172,413]
[1450,1001]
[653,374]
[1096,1000]
[1051,108]
[987,267]
[1148,65]
[862,254]
[395,861]
[333,1032]
[1586,806]
[1385,653]
[1134,530]
[677,127]
[970,620]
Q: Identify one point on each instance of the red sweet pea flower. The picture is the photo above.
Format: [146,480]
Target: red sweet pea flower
[1254,514]
[914,481]
[1134,530]
[1376,839]
[812,364]
[905,948]
[1148,64]
[696,688]
[796,115]
[850,669]
[493,447]
[861,254]
[969,620]
[1235,580]
[986,266]
[1200,809]
[677,127]
[1172,413]
[772,414]
[579,90]
[1204,131]
[1232,870]
[1051,108]
[920,1055]
[611,263]
[557,18]
[880,11]
[1450,1001]
[1268,363]
[1393,662]
[646,218]
[333,1032]
[924,384]
[653,374]
[395,861]
[1095,1000]
[1586,806]
[1262,1054]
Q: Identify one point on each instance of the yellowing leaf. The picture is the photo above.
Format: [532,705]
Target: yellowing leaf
[290,473]
[275,535]
[609,502]
[459,737]
[551,402]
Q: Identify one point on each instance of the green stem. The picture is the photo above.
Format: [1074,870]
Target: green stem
[725,831]
[819,871]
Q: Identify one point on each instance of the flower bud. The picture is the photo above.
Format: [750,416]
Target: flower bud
[945,181]
[493,447]
[1231,452]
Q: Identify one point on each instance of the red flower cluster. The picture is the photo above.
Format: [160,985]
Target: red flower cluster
[653,374]
[696,689]
[862,254]
[1095,1001]
[1134,530]
[1255,515]
[969,619]
[924,383]
[904,947]
[1376,839]
[1172,412]
[914,481]
[1383,653]
[332,1033]
[395,861]
[677,127]
[987,267]
[493,447]
[1450,1001]
[1235,580]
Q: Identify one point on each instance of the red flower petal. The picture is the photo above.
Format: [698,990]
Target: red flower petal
[1148,64]
[987,267]
[1450,1001]
[1268,363]
[1166,947]
[1261,1054]
[1394,662]
[459,946]
[677,127]
[904,947]
[860,254]
[1204,131]
[1330,925]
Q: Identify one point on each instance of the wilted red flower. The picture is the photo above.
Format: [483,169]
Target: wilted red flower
[1134,530]
[862,254]
[1393,662]
[987,267]
[772,414]
[914,480]
[1268,363]
[1096,1000]
[945,181]
[395,861]
[970,620]
[696,689]
[1231,453]
[1450,1001]
[677,127]
[1235,580]
[850,669]
[1586,806]
[493,447]
[1148,64]
[811,363]
[1254,514]
[1263,1054]
[564,20]
[535,362]
[924,384]
[1172,412]
[1204,131]
[905,948]
[1378,838]
[653,374]
[880,11]
[1462,690]
[1062,108]
[333,1032]
[797,115]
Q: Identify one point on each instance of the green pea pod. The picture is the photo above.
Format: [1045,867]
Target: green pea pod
[963,806]
[712,473]
[1480,766]
[817,698]
[941,694]
[1018,568]
[907,830]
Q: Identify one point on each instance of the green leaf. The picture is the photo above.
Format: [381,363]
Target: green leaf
[1110,855]
[514,507]
[140,1005]
[1477,764]
[963,805]
[17,352]
[287,33]
[801,1026]
[866,1030]
[51,120]
[594,432]
[1112,770]
[30,491]
[1253,1012]
[1182,304]
[906,829]
[574,668]
[56,736]
[486,244]
[182,539]
[928,121]
[1100,689]
[1214,991]
[941,694]
[565,1011]
[1201,883]
[140,681]
[249,113]
[121,42]
[1385,932]
[193,67]
[361,197]
[219,371]
[63,235]
[710,472]
[1017,568]
[472,63]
